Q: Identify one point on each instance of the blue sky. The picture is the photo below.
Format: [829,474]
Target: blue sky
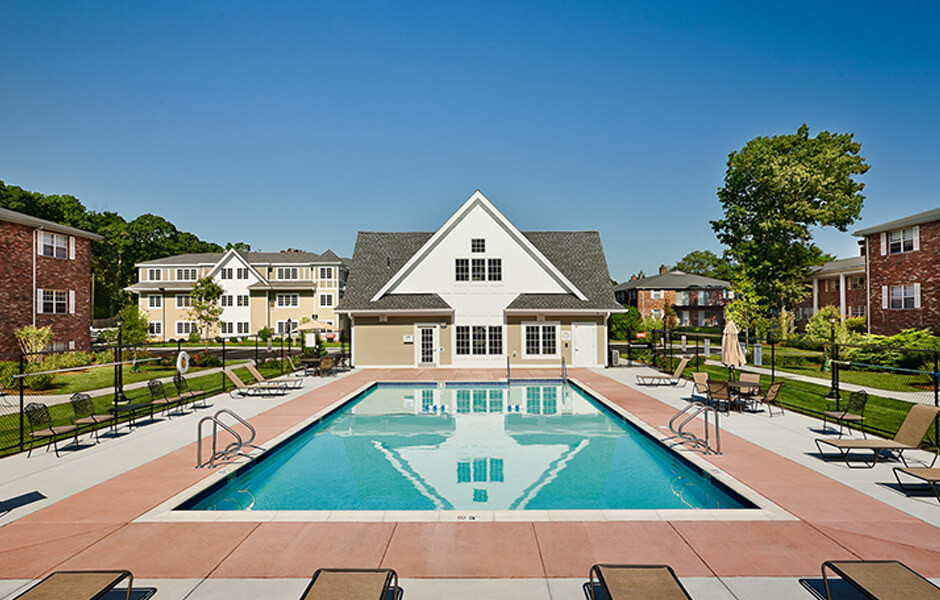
[296,124]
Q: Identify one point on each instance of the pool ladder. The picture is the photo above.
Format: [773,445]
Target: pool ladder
[233,449]
[690,412]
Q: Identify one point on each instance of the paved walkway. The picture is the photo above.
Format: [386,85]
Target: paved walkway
[91,521]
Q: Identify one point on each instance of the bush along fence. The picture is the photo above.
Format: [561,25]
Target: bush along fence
[127,381]
[818,377]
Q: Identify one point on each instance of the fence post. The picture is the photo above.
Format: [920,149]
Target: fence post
[835,373]
[22,379]
[222,372]
[697,367]
[773,362]
[256,349]
[936,399]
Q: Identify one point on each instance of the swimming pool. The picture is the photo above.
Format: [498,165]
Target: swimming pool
[418,447]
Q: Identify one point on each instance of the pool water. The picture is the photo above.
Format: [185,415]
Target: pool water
[534,446]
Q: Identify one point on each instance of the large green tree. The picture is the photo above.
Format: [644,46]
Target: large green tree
[206,310]
[705,263]
[776,189]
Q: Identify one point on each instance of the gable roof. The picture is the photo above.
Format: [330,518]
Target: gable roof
[30,221]
[673,280]
[853,263]
[210,258]
[924,217]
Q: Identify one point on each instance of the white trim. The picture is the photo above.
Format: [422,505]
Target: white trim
[478,199]
[916,295]
[524,355]
[867,285]
[435,343]
[397,313]
[71,302]
[842,307]
[916,236]
[71,247]
[214,268]
[39,301]
[884,297]
[884,243]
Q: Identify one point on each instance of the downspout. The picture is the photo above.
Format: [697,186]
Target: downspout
[868,284]
[35,249]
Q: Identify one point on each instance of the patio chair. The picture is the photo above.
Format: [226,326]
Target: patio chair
[664,379]
[251,390]
[619,582]
[881,579]
[700,385]
[353,584]
[41,427]
[84,409]
[326,366]
[159,398]
[908,437]
[78,585]
[718,393]
[295,370]
[854,412]
[188,394]
[929,475]
[293,384]
[770,398]
[748,395]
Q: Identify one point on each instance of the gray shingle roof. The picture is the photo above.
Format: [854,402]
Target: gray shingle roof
[253,258]
[30,221]
[852,263]
[673,280]
[154,286]
[924,217]
[577,254]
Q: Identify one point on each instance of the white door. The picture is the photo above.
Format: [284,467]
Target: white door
[427,350]
[585,344]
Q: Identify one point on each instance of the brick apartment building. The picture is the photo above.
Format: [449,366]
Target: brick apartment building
[45,280]
[839,283]
[903,273]
[698,301]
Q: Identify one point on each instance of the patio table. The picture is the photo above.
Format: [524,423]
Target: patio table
[743,391]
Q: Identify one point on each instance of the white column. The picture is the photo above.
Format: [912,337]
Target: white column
[815,295]
[842,296]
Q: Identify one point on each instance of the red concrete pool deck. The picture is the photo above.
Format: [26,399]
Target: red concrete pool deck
[95,528]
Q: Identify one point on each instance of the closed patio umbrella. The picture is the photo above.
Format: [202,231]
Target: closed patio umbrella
[731,354]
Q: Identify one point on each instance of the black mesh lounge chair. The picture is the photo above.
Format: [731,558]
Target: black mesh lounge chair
[908,437]
[159,398]
[619,582]
[353,584]
[881,579]
[77,585]
[84,409]
[187,393]
[292,384]
[854,412]
[673,379]
[41,427]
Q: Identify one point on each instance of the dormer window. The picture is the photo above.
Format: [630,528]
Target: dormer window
[478,245]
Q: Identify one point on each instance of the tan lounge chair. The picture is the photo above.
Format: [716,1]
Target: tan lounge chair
[664,379]
[251,390]
[353,584]
[881,579]
[854,412]
[77,585]
[287,383]
[929,475]
[908,437]
[620,582]
[41,427]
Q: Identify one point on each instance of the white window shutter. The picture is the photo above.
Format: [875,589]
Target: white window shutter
[884,296]
[884,243]
[71,247]
[39,300]
[916,237]
[916,293]
[71,302]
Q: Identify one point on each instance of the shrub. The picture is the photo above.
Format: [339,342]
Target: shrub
[103,357]
[39,382]
[204,359]
[856,325]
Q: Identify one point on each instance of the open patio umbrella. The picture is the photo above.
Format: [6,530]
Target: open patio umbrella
[316,326]
[731,354]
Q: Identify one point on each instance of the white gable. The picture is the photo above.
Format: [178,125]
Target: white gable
[524,268]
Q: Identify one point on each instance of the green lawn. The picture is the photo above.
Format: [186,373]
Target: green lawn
[94,378]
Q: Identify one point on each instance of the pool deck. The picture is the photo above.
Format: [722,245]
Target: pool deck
[95,497]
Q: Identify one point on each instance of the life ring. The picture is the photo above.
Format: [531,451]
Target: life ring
[182,362]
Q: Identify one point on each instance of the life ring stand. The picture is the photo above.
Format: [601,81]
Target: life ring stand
[182,362]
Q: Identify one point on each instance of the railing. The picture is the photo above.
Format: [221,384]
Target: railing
[691,411]
[508,371]
[564,370]
[233,449]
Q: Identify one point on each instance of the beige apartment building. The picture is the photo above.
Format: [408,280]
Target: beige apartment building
[277,290]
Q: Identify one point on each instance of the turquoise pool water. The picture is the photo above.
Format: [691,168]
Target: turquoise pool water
[534,446]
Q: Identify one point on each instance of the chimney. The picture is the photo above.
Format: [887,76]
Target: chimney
[633,277]
[662,269]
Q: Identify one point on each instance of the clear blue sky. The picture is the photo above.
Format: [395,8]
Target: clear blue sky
[296,124]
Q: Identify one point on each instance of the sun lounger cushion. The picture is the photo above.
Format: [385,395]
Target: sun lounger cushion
[628,582]
[77,585]
[342,584]
[884,580]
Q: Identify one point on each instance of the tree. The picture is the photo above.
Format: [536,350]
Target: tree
[239,246]
[134,327]
[775,189]
[670,318]
[705,263]
[622,324]
[32,340]
[206,309]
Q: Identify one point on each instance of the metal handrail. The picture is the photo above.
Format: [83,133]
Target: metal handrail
[694,409]
[564,370]
[231,450]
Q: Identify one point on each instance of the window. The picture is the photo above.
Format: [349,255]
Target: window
[857,311]
[656,294]
[462,269]
[326,272]
[226,300]
[184,301]
[901,240]
[682,298]
[185,327]
[287,326]
[479,340]
[243,327]
[479,269]
[241,273]
[155,328]
[226,273]
[702,298]
[55,301]
[154,274]
[154,301]
[832,285]
[902,296]
[326,299]
[478,245]
[54,245]
[463,340]
[288,273]
[243,299]
[226,327]
[541,340]
[494,269]
[856,282]
[288,300]
[496,339]
[657,313]
[186,274]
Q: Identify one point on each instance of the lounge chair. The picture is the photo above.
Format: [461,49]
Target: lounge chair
[77,585]
[881,579]
[241,389]
[908,437]
[770,398]
[41,427]
[353,584]
[159,398]
[854,412]
[718,393]
[929,475]
[84,409]
[700,385]
[664,379]
[293,384]
[186,393]
[618,582]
